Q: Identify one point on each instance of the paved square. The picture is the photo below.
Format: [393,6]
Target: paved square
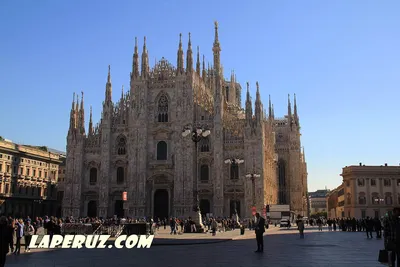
[282,248]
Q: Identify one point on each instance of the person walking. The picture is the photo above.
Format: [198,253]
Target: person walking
[28,232]
[19,235]
[300,226]
[259,230]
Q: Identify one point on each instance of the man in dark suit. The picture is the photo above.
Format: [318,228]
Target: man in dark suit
[259,229]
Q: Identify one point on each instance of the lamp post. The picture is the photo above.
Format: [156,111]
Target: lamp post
[196,134]
[234,177]
[252,176]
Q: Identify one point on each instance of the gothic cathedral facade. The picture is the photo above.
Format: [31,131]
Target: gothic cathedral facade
[138,147]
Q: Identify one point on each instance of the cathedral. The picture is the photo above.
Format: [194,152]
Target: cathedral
[137,163]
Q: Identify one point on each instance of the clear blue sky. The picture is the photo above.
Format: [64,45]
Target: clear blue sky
[340,57]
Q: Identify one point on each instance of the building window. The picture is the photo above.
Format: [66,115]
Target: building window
[362,200]
[163,108]
[8,168]
[93,176]
[234,171]
[40,174]
[387,182]
[45,174]
[205,145]
[388,200]
[361,182]
[39,191]
[373,182]
[7,189]
[162,150]
[363,214]
[20,190]
[121,146]
[34,173]
[14,169]
[204,173]
[120,175]
[1,167]
[398,182]
[28,172]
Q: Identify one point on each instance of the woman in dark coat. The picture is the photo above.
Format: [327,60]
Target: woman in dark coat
[4,240]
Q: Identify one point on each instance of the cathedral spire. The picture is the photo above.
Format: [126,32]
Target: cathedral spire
[290,118]
[90,122]
[179,68]
[273,111]
[296,117]
[72,118]
[108,86]
[204,74]
[189,57]
[82,116]
[77,104]
[145,60]
[269,107]
[258,105]
[249,107]
[198,62]
[232,89]
[135,64]
[216,50]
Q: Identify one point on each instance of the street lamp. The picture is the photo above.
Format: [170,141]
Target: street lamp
[234,162]
[252,176]
[196,134]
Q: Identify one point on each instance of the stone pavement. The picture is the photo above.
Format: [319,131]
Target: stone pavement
[282,248]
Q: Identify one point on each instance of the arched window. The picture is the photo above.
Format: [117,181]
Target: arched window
[375,198]
[388,199]
[121,146]
[163,108]
[93,176]
[162,150]
[204,173]
[361,199]
[205,145]
[120,175]
[234,171]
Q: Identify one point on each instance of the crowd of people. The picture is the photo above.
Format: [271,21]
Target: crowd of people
[13,230]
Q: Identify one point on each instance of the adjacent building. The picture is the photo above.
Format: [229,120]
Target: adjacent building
[138,146]
[28,180]
[370,191]
[335,202]
[317,201]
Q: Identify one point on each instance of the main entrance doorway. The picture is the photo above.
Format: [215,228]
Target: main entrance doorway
[119,208]
[161,204]
[204,206]
[232,207]
[92,209]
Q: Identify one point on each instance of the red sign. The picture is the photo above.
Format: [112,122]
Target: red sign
[253,210]
[125,196]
